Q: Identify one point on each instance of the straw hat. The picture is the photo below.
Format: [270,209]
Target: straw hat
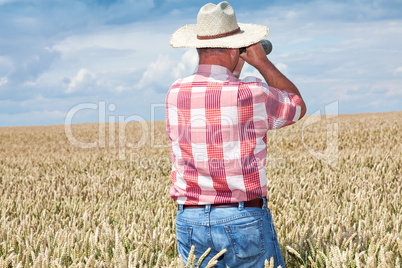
[217,27]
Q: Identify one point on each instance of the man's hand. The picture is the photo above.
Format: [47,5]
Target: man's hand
[252,57]
[255,55]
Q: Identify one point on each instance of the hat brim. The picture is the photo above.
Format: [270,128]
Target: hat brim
[186,36]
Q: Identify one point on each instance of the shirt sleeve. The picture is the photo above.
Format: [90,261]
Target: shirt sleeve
[282,108]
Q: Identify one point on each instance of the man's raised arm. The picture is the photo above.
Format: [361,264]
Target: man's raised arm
[255,56]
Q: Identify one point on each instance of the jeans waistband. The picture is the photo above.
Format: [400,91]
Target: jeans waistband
[260,202]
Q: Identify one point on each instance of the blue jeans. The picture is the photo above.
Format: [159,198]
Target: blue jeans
[248,234]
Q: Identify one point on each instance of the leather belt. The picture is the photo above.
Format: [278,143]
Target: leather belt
[256,203]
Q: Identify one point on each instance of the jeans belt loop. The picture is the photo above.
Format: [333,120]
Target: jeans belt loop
[180,208]
[241,205]
[207,208]
[265,202]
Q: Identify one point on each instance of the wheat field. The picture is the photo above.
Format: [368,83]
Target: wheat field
[97,195]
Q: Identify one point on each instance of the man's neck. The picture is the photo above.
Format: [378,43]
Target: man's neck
[219,62]
[224,59]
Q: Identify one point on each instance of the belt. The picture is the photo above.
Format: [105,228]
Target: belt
[256,203]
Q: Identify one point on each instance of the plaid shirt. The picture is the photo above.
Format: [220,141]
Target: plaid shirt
[217,127]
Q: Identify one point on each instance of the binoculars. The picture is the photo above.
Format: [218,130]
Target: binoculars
[267,45]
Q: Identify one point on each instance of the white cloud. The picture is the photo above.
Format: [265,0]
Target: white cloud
[6,64]
[186,66]
[117,54]
[398,70]
[120,89]
[164,71]
[3,81]
[142,40]
[84,81]
[388,88]
[157,73]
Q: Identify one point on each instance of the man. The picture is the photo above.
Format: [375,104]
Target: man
[217,127]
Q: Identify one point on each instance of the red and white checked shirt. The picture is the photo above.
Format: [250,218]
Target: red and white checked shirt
[217,127]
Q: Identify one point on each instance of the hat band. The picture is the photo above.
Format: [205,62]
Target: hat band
[205,37]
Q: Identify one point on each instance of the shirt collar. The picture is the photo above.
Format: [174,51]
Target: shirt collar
[209,69]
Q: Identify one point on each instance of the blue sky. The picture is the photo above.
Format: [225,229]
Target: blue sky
[57,55]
